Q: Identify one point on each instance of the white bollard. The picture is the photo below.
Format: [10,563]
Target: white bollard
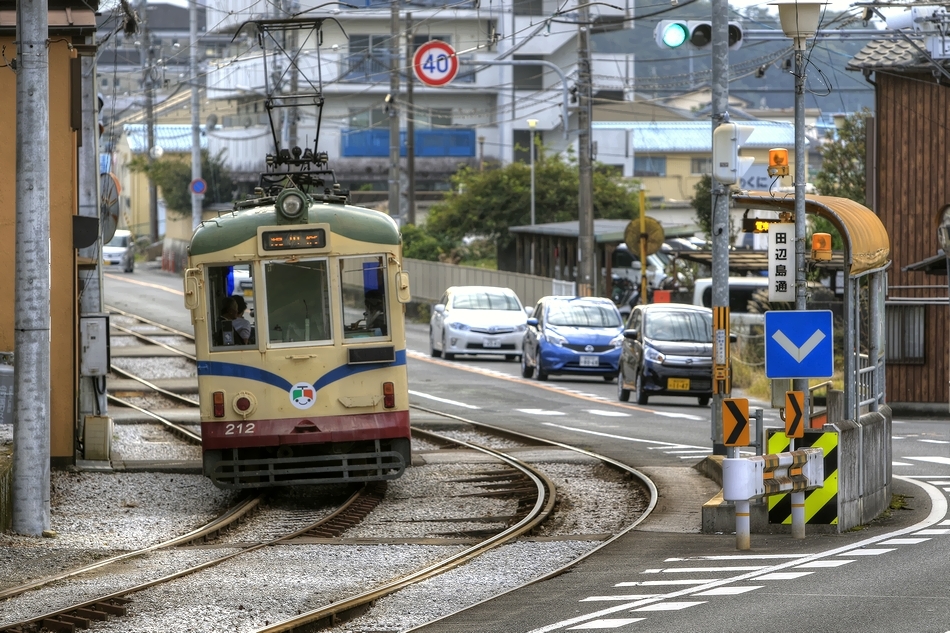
[798,515]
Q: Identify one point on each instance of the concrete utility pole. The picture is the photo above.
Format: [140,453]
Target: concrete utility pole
[720,196]
[393,112]
[410,126]
[196,198]
[31,364]
[149,77]
[586,254]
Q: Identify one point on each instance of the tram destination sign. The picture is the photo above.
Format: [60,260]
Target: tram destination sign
[292,239]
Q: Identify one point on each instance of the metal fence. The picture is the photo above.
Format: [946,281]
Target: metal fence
[428,281]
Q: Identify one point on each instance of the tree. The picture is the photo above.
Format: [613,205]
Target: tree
[173,175]
[702,203]
[486,203]
[842,173]
[843,157]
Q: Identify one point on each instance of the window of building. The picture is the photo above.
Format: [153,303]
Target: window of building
[905,342]
[419,40]
[363,296]
[363,119]
[528,77]
[700,166]
[105,82]
[433,117]
[528,7]
[649,166]
[369,44]
[298,304]
[231,304]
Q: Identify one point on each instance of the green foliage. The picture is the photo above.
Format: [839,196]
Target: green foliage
[702,202]
[843,159]
[417,243]
[486,203]
[172,174]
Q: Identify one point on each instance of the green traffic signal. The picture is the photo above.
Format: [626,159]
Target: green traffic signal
[674,34]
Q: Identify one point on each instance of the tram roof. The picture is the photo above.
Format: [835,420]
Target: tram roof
[356,223]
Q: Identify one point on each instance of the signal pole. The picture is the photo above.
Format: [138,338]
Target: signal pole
[149,77]
[31,360]
[720,200]
[196,198]
[586,255]
[410,126]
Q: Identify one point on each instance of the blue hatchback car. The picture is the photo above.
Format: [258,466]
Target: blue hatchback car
[572,335]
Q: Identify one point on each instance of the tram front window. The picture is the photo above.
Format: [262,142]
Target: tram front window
[231,307]
[298,306]
[363,287]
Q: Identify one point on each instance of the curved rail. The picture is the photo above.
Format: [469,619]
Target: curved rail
[353,509]
[543,506]
[170,330]
[181,431]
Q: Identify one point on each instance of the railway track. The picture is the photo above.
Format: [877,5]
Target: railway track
[532,495]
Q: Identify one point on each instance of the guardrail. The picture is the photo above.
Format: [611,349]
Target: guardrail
[429,280]
[779,473]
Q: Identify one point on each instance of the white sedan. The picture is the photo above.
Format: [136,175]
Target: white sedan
[477,320]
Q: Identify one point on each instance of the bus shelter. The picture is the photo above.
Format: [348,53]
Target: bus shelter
[866,257]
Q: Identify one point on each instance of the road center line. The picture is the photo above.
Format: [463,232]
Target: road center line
[443,400]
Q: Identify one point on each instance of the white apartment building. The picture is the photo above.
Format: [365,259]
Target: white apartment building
[481,115]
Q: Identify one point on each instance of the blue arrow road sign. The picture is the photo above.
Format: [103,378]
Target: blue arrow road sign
[798,344]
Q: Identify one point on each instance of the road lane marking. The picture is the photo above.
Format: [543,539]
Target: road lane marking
[940,532]
[683,416]
[935,441]
[419,394]
[615,598]
[784,575]
[146,284]
[703,570]
[822,564]
[728,591]
[669,606]
[540,412]
[904,541]
[657,443]
[868,551]
[608,414]
[932,460]
[735,557]
[608,623]
[663,583]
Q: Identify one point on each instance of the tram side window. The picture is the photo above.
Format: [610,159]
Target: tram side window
[298,307]
[231,306]
[363,285]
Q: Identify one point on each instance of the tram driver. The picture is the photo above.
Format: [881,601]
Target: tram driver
[374,318]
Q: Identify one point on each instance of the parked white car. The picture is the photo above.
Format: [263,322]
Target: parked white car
[477,320]
[120,251]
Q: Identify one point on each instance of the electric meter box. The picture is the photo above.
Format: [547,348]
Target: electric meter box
[94,345]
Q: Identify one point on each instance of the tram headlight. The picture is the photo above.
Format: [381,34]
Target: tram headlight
[244,403]
[292,204]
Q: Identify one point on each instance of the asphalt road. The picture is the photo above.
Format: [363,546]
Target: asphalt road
[898,583]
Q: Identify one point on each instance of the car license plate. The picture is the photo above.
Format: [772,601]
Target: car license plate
[590,361]
[679,384]
[248,292]
[491,342]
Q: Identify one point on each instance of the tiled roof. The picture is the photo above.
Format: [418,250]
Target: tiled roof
[890,54]
[696,136]
[171,138]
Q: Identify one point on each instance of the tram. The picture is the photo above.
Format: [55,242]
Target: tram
[297,299]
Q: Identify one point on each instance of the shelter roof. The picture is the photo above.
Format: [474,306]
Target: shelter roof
[741,261]
[869,245]
[696,136]
[605,231]
[933,265]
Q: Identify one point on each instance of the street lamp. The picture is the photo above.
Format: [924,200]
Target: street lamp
[799,20]
[532,123]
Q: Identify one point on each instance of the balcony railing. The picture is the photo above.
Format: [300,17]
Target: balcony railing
[372,67]
[428,143]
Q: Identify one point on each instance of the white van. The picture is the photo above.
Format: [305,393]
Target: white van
[741,290]
[625,264]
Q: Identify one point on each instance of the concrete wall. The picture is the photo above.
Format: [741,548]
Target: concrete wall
[63,205]
[864,467]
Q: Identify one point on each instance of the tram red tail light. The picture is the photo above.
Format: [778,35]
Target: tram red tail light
[242,404]
[218,399]
[389,395]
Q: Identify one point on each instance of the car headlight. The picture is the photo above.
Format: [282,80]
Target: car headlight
[653,356]
[555,339]
[617,341]
[521,328]
[461,327]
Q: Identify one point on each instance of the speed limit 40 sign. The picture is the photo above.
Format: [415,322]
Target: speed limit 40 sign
[435,63]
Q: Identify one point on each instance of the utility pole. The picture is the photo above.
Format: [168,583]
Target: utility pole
[393,112]
[586,254]
[149,76]
[410,125]
[196,198]
[31,361]
[720,201]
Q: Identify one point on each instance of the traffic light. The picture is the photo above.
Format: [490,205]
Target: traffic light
[728,166]
[676,33]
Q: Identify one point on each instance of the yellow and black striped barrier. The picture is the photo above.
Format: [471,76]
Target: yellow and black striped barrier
[821,505]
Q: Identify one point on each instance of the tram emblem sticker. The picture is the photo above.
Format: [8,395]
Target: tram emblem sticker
[303,395]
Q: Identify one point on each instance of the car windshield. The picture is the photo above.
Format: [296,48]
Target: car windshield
[119,240]
[486,300]
[694,327]
[583,315]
